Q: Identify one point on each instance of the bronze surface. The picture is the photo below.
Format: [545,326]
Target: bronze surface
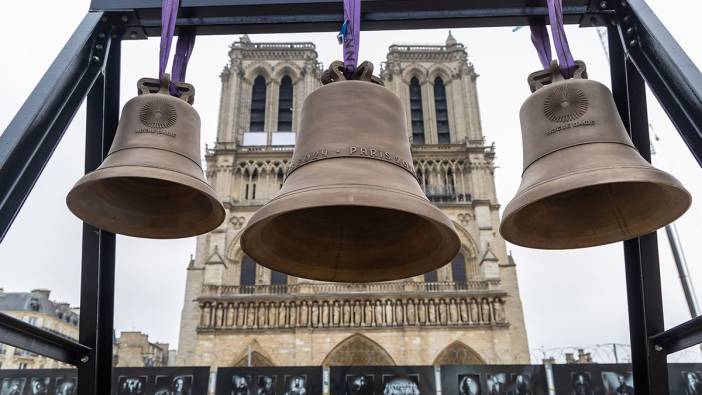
[584,184]
[151,183]
[351,209]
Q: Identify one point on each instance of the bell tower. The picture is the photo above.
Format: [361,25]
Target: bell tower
[467,311]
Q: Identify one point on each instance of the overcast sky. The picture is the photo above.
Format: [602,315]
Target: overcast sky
[571,298]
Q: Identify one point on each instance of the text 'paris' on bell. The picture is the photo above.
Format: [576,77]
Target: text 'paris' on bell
[584,183]
[351,209]
[151,183]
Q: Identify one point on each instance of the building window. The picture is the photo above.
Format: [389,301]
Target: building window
[442,124]
[431,277]
[22,365]
[416,112]
[258,105]
[285,104]
[247,279]
[458,270]
[279,282]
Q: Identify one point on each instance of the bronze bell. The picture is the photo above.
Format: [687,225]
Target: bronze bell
[151,183]
[351,208]
[584,184]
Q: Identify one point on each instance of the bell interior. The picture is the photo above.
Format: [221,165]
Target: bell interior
[142,206]
[598,214]
[349,241]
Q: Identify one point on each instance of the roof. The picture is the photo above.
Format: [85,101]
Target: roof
[37,302]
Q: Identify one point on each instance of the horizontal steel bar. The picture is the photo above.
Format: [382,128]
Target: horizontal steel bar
[678,338]
[28,337]
[35,131]
[288,16]
[670,74]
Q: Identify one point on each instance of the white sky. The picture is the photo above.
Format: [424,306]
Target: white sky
[570,298]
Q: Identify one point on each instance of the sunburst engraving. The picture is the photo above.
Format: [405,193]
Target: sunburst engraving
[157,114]
[565,104]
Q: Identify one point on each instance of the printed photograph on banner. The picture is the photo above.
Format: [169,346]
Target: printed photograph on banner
[240,385]
[618,383]
[131,385]
[496,383]
[581,383]
[66,386]
[12,386]
[39,385]
[469,384]
[401,385]
[520,384]
[296,385]
[174,385]
[359,384]
[692,382]
[266,385]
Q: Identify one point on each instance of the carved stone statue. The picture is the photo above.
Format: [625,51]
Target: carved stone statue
[378,314]
[411,317]
[314,317]
[474,312]
[485,307]
[282,315]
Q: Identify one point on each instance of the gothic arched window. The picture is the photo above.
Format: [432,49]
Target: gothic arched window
[416,112]
[431,277]
[278,281]
[441,106]
[285,103]
[247,277]
[258,105]
[458,269]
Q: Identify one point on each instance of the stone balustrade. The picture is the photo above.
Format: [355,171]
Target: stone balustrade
[365,311]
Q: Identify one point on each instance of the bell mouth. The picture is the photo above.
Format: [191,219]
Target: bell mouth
[142,202]
[596,214]
[350,243]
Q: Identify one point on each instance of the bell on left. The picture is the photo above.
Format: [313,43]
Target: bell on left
[151,183]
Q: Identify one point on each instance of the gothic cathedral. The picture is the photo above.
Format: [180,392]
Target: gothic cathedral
[237,312]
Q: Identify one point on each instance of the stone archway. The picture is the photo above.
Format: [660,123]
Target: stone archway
[257,360]
[458,353]
[358,350]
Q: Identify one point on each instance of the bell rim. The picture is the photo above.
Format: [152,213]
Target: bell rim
[439,221]
[588,178]
[213,221]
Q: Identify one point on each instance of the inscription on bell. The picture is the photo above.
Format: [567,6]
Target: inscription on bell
[570,125]
[352,151]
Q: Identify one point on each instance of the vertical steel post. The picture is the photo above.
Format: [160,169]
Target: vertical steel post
[641,254]
[98,261]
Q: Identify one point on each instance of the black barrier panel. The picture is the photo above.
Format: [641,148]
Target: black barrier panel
[685,378]
[293,380]
[38,382]
[493,380]
[160,381]
[382,380]
[593,379]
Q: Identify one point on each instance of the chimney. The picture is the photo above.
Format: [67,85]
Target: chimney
[42,292]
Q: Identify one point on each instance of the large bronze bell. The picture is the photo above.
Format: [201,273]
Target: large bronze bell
[351,208]
[584,184]
[151,183]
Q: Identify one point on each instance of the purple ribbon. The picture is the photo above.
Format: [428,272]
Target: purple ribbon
[352,35]
[184,47]
[539,36]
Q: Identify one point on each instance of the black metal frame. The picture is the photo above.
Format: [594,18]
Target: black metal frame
[641,52]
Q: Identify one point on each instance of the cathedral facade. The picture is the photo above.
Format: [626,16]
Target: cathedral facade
[238,313]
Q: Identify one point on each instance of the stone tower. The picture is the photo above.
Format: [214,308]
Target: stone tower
[237,312]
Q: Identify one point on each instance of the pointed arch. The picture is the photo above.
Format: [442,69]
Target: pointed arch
[441,107]
[358,350]
[416,111]
[258,105]
[285,104]
[457,353]
[259,357]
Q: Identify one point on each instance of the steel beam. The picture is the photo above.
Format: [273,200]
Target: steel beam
[678,338]
[290,16]
[18,333]
[670,74]
[33,134]
[98,263]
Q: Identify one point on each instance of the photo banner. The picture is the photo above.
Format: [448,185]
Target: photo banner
[38,382]
[293,380]
[382,380]
[160,381]
[493,380]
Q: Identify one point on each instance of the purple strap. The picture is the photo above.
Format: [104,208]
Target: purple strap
[352,35]
[539,36]
[184,47]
